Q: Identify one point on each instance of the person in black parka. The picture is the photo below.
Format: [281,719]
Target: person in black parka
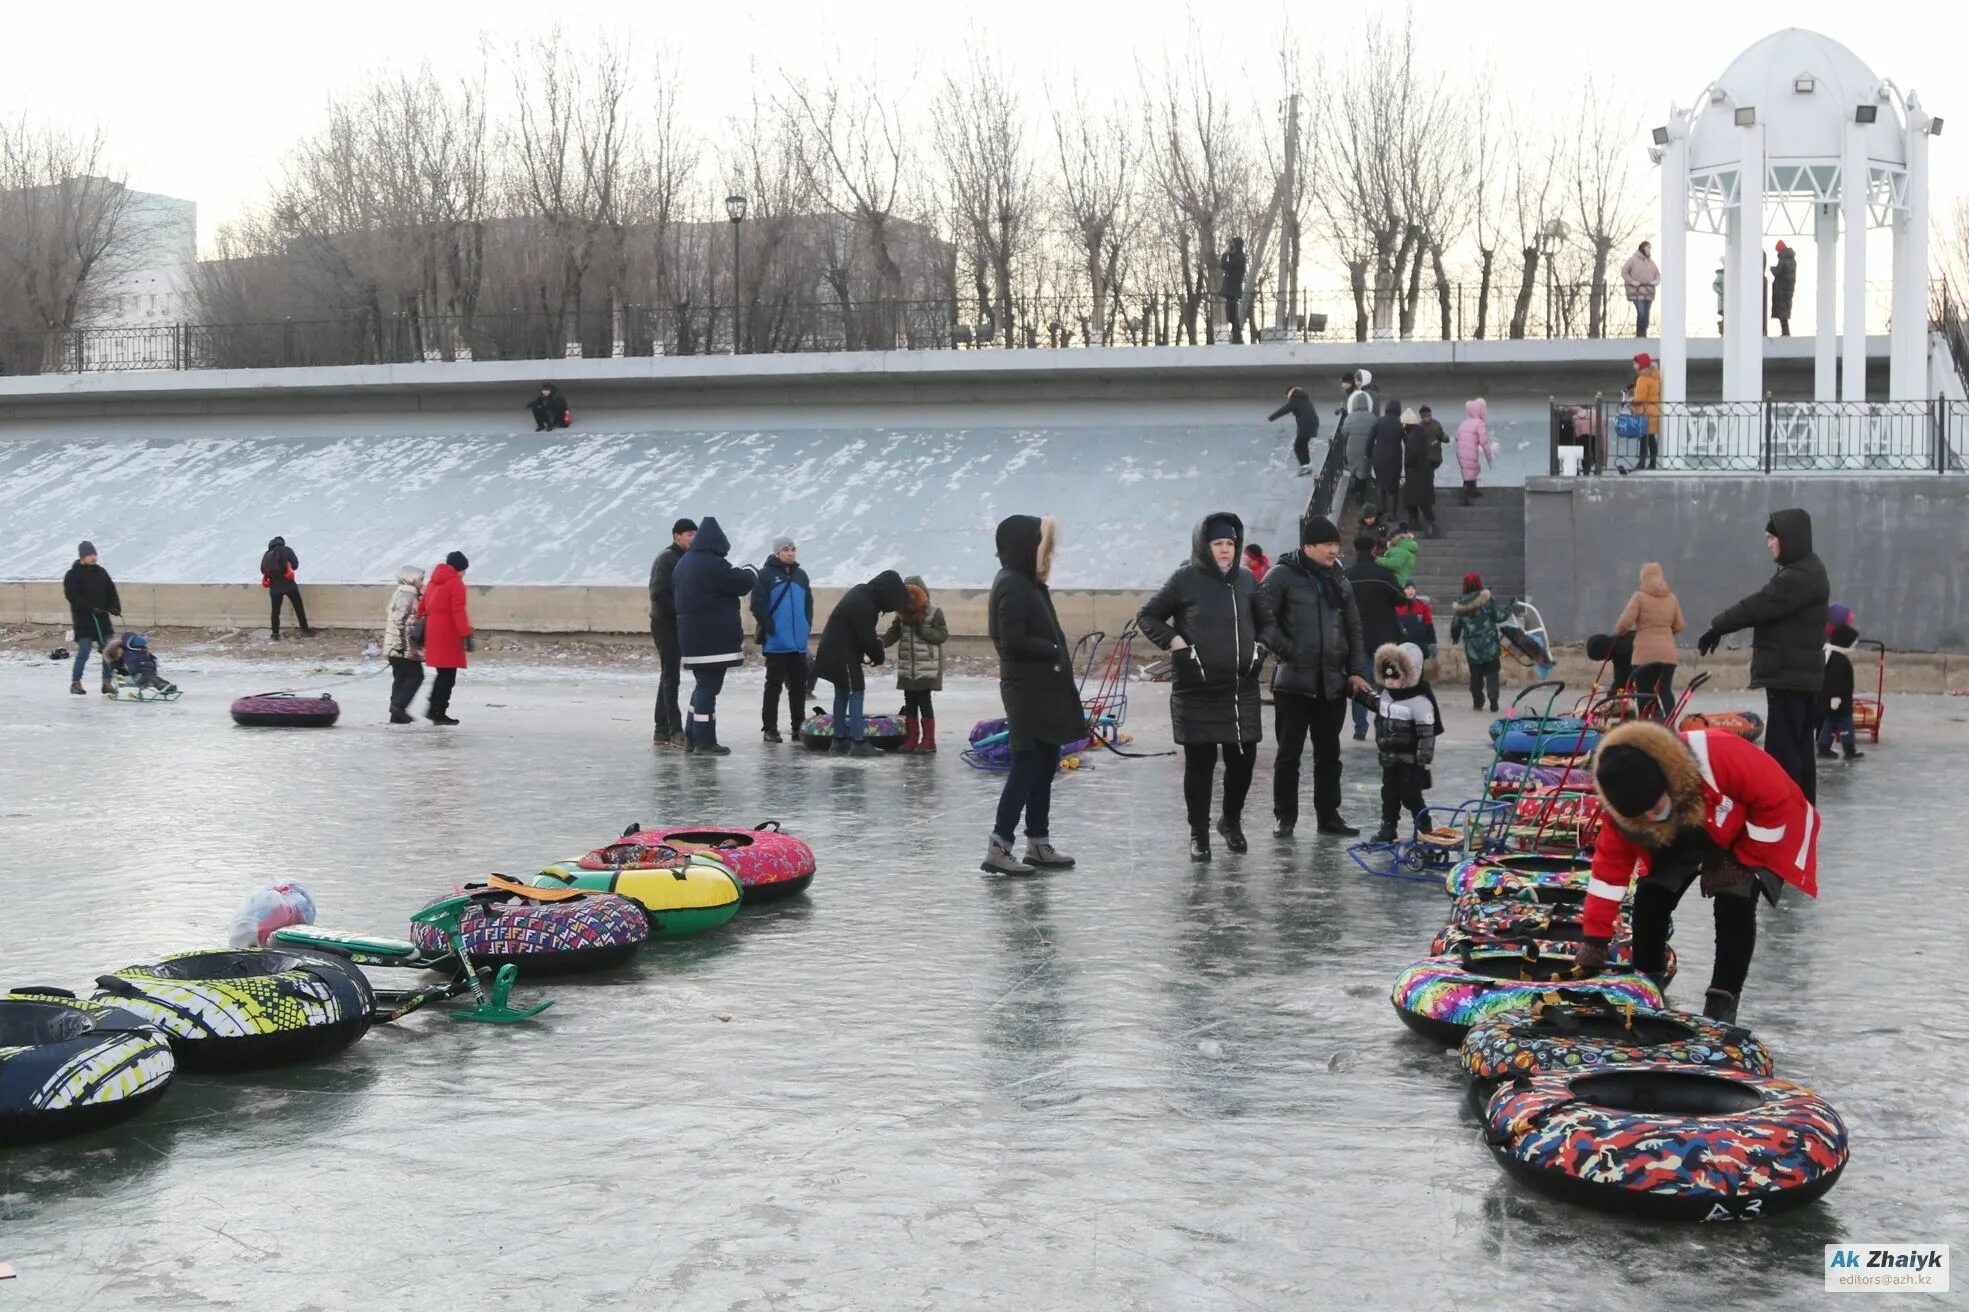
[1418,474]
[1035,682]
[549,409]
[92,599]
[277,567]
[1787,619]
[1306,423]
[1209,615]
[669,717]
[707,589]
[1385,451]
[1376,594]
[849,641]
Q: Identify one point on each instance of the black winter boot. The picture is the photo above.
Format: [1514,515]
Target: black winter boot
[705,738]
[1720,1005]
[1386,833]
[1854,753]
[1200,846]
[1233,834]
[1337,825]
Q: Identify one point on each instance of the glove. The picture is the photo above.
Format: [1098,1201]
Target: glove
[1708,642]
[1592,958]
[471,642]
[1837,702]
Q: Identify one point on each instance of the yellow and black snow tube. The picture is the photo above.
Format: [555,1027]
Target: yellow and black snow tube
[68,1066]
[680,894]
[242,1008]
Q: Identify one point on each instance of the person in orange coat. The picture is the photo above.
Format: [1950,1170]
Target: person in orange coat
[1646,401]
[1654,617]
[447,632]
[1678,808]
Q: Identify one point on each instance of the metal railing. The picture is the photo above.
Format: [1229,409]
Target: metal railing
[1764,437]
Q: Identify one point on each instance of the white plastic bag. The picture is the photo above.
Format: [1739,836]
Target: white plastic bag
[274,906]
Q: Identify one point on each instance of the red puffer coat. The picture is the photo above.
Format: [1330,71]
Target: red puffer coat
[446,625]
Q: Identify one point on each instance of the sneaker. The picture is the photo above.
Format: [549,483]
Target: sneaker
[1305,471]
[1334,824]
[772,736]
[1000,861]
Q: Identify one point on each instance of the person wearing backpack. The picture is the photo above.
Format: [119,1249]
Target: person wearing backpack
[783,606]
[277,568]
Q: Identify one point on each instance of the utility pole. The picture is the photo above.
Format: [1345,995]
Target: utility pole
[1288,247]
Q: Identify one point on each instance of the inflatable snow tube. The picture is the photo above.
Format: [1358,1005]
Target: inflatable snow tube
[1508,778]
[1441,997]
[884,731]
[991,745]
[1555,819]
[1526,744]
[285,710]
[1547,726]
[245,1008]
[1747,725]
[679,895]
[1572,1036]
[1475,920]
[1674,1143]
[1521,869]
[768,862]
[544,938]
[69,1066]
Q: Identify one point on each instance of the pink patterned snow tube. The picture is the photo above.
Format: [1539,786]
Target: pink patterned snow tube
[768,862]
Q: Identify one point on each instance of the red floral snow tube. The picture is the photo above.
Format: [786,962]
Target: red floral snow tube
[286,710]
[769,863]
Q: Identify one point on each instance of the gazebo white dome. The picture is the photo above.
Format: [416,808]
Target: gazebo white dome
[1799,126]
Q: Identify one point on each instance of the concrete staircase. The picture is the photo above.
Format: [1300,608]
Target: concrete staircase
[1487,536]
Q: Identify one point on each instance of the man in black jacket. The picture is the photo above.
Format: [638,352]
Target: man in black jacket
[663,631]
[549,409]
[1306,424]
[1787,618]
[1316,637]
[1233,266]
[277,566]
[1376,594]
[92,600]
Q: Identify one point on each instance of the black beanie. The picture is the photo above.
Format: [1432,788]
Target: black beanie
[683,526]
[1315,529]
[1220,526]
[1630,779]
[1599,647]
[457,561]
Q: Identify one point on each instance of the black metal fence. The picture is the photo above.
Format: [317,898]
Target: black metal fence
[1761,437]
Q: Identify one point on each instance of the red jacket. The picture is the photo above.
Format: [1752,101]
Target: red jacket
[1258,563]
[1749,806]
[446,625]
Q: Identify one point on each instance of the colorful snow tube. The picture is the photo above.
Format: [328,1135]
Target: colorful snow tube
[768,862]
[1528,744]
[884,731]
[1676,1143]
[1747,725]
[1475,920]
[245,1008]
[1520,869]
[991,745]
[1572,1036]
[1441,997]
[560,937]
[285,710]
[1510,777]
[69,1066]
[1548,726]
[679,895]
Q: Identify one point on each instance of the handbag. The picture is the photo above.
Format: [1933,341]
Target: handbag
[417,631]
[1630,426]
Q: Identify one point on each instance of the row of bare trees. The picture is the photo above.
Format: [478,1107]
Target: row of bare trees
[563,178]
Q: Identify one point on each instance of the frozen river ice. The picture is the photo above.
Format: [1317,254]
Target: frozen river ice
[1137,1084]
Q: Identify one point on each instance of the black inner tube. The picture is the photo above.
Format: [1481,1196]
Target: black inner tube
[1538,863]
[722,838]
[30,1024]
[230,965]
[1648,1031]
[1545,970]
[1667,1093]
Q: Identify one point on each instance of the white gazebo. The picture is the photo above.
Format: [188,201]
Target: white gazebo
[1798,138]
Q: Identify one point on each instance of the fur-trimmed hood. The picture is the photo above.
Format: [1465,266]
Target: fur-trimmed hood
[1026,543]
[1472,601]
[1678,765]
[1398,666]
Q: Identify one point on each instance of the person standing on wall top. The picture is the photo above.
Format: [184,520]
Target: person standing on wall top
[277,568]
[1654,617]
[1316,637]
[549,409]
[1035,682]
[1377,592]
[1643,280]
[1786,618]
[1209,615]
[1784,281]
[783,608]
[92,599]
[1306,423]
[1232,265]
[707,588]
[447,633]
[669,730]
[1646,402]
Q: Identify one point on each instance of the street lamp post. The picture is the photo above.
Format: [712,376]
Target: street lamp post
[735,208]
[1550,239]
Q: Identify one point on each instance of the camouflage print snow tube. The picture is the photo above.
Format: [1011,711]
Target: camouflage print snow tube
[68,1066]
[1573,1036]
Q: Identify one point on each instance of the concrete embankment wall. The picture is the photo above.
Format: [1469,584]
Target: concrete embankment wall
[1896,548]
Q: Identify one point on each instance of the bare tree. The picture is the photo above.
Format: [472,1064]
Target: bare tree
[1532,207]
[1202,165]
[988,172]
[65,228]
[767,164]
[1488,176]
[1605,136]
[1097,200]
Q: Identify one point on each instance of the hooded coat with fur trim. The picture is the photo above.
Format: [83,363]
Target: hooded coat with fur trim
[1786,616]
[1217,614]
[1732,790]
[1407,720]
[1035,681]
[1473,622]
[1654,617]
[918,633]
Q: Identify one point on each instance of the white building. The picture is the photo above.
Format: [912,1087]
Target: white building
[151,283]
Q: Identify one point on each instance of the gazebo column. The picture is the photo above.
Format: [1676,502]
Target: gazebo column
[1731,312]
[1908,352]
[1745,320]
[1672,297]
[1853,182]
[1825,339]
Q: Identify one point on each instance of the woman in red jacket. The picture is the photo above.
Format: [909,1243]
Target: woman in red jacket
[1681,807]
[447,632]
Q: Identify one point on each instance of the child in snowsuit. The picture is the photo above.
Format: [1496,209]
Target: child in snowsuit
[1477,616]
[1836,705]
[918,633]
[1407,722]
[133,658]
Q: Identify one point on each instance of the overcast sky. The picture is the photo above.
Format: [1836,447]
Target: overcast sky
[201,99]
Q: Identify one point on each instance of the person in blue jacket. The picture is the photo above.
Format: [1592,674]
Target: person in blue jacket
[707,588]
[783,606]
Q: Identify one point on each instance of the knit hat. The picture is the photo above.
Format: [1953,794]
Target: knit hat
[1315,529]
[1410,417]
[85,549]
[1630,779]
[1253,549]
[1365,542]
[1220,527]
[457,561]
[683,526]
[782,544]
[1599,647]
[1780,245]
[1473,582]
[1644,361]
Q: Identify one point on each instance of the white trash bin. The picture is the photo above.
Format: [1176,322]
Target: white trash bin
[1570,458]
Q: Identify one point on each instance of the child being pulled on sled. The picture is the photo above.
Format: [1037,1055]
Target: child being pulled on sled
[131,656]
[1407,722]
